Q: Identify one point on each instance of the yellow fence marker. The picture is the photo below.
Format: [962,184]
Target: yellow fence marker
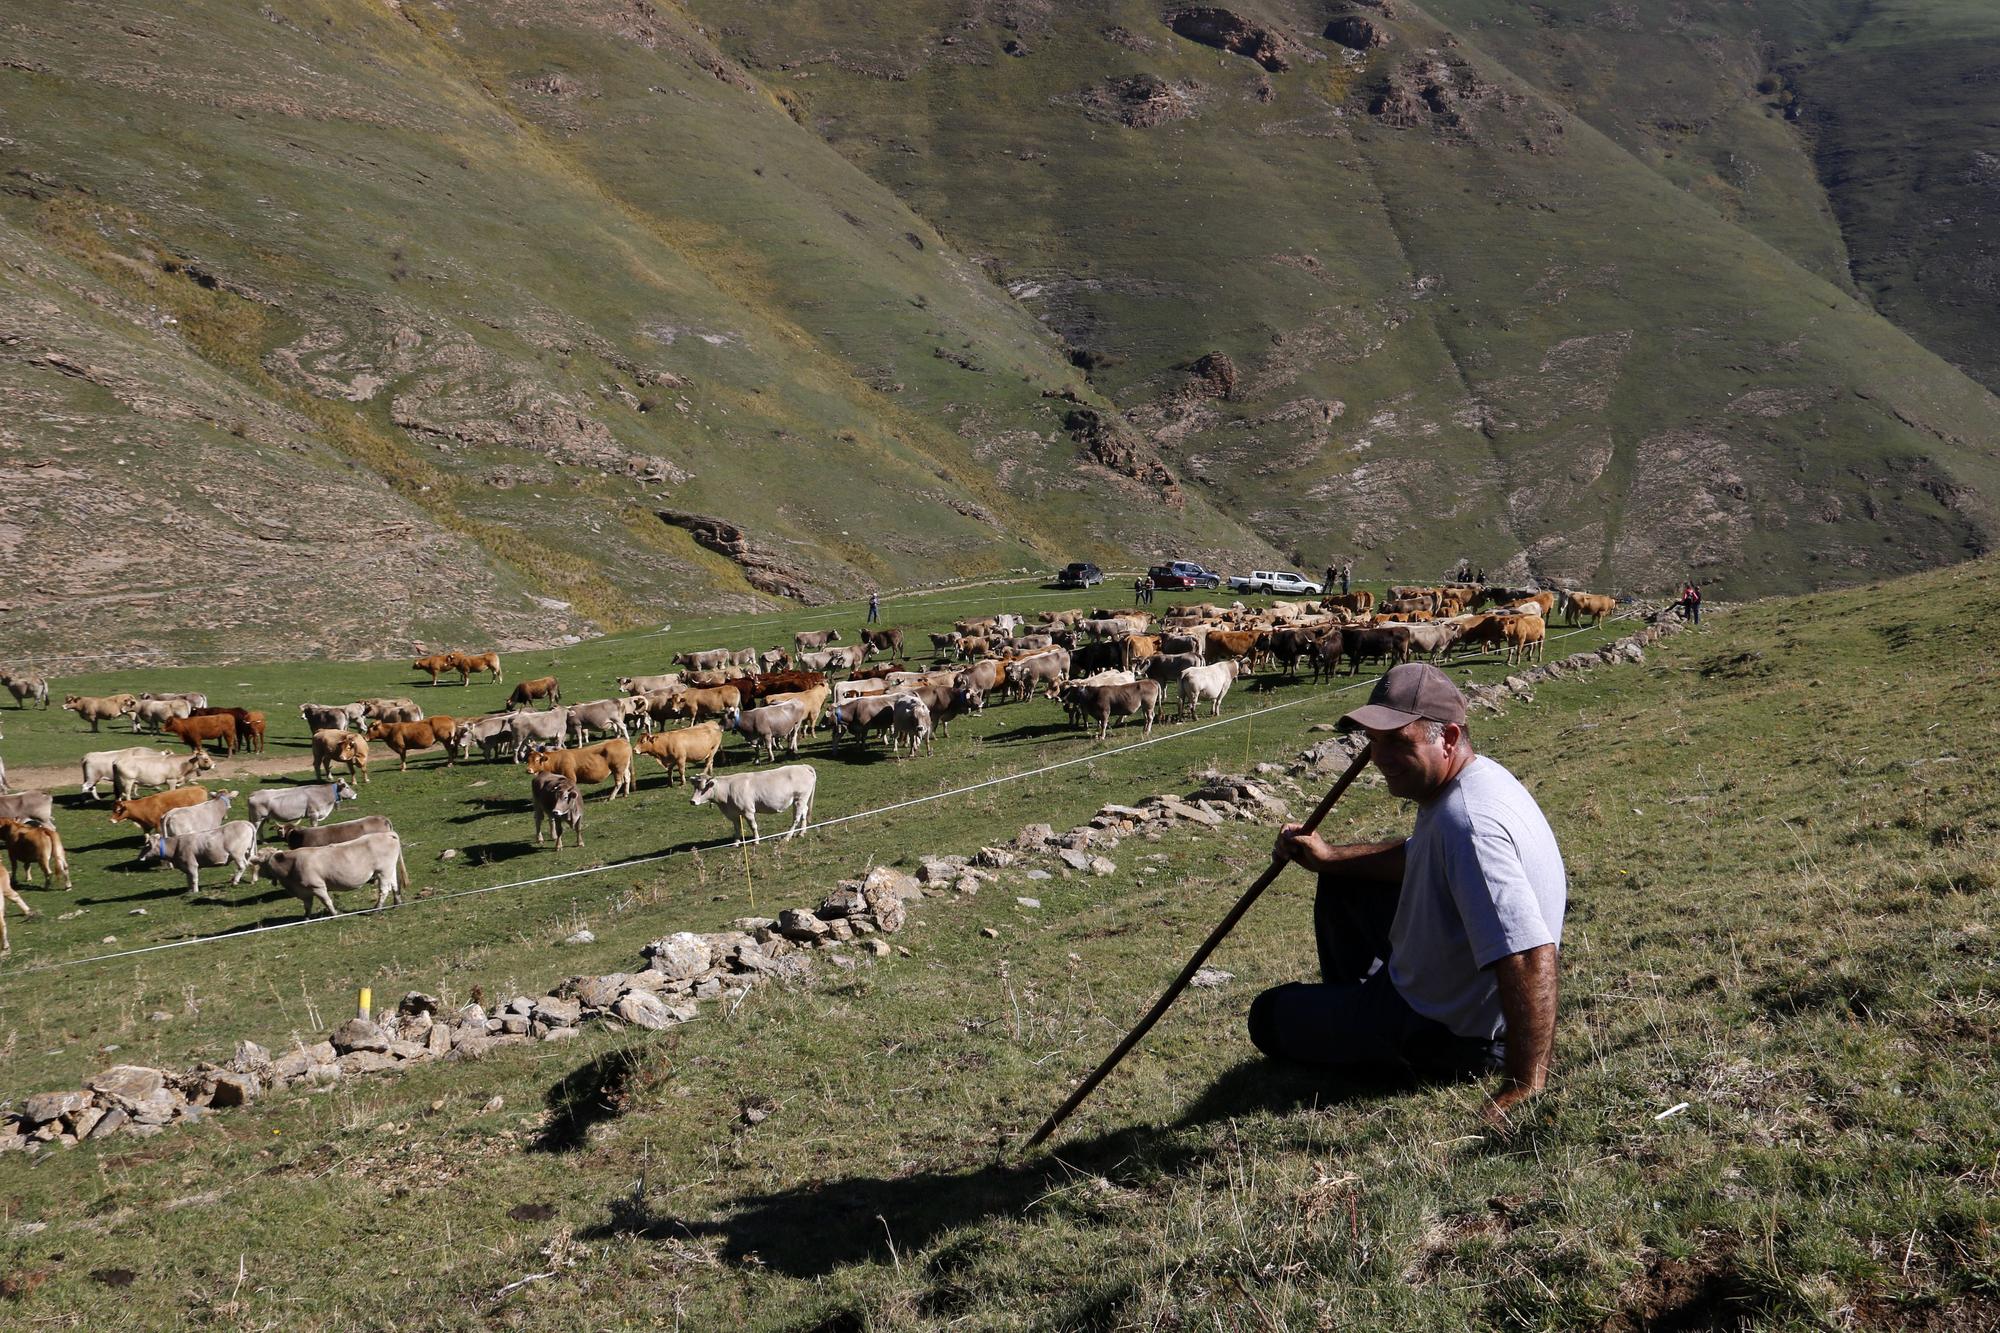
[363,1010]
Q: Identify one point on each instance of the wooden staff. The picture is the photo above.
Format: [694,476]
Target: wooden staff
[1194,964]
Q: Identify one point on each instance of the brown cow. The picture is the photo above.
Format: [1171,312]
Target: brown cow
[675,750]
[592,763]
[196,732]
[1524,637]
[1228,645]
[403,738]
[467,663]
[527,691]
[695,705]
[148,811]
[31,842]
[249,724]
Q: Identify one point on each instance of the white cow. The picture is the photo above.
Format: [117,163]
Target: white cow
[911,722]
[1206,684]
[203,818]
[234,843]
[744,796]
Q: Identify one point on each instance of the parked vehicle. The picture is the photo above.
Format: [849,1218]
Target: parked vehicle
[1183,574]
[1283,582]
[1080,574]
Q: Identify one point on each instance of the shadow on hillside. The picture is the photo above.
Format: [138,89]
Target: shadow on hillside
[817,1226]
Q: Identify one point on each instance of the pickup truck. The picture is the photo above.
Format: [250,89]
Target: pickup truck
[1283,582]
[1081,574]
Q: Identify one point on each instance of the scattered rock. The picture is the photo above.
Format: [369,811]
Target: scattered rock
[128,1086]
[1075,859]
[46,1106]
[1212,977]
[679,956]
[1230,32]
[581,937]
[358,1034]
[795,923]
[226,1090]
[647,1010]
[989,932]
[1033,837]
[1029,902]
[994,858]
[1103,865]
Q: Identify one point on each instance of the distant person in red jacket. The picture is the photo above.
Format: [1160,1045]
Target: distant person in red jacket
[1691,603]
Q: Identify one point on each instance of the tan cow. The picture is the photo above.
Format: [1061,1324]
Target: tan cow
[675,750]
[96,708]
[527,691]
[332,746]
[1595,605]
[7,895]
[435,664]
[698,704]
[814,699]
[592,763]
[197,732]
[1525,635]
[32,842]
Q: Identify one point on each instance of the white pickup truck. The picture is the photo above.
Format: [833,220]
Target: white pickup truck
[1280,581]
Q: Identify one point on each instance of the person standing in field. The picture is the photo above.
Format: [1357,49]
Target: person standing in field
[1691,603]
[874,607]
[1438,952]
[1346,578]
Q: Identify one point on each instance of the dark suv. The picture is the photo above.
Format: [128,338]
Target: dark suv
[1183,574]
[1081,574]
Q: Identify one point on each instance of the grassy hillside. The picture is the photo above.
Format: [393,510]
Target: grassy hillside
[457,300]
[1780,841]
[1431,280]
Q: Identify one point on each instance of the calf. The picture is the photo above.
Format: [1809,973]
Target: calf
[234,843]
[814,639]
[777,659]
[24,688]
[35,842]
[769,725]
[148,811]
[331,746]
[491,734]
[1287,646]
[99,708]
[593,763]
[528,691]
[406,738]
[197,732]
[557,800]
[1327,653]
[328,834]
[298,805]
[943,645]
[675,750]
[311,872]
[744,796]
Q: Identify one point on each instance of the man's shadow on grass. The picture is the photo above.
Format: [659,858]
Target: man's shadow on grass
[810,1229]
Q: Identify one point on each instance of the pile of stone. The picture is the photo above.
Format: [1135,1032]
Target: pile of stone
[1628,651]
[676,974]
[1219,797]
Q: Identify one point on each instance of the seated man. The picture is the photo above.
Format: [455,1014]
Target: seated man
[1437,953]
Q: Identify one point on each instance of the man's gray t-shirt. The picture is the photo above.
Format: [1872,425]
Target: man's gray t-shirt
[1482,879]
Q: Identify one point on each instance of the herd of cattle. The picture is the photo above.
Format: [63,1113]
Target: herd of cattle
[1100,666]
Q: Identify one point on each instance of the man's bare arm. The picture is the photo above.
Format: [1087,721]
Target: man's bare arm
[1369,862]
[1527,982]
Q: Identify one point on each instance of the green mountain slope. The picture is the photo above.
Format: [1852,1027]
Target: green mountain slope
[1462,322]
[326,325]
